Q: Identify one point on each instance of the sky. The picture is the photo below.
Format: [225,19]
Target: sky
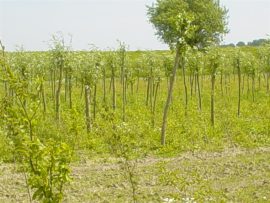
[31,23]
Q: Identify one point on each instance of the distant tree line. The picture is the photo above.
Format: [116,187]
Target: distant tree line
[254,43]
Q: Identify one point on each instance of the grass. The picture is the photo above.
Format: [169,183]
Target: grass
[233,175]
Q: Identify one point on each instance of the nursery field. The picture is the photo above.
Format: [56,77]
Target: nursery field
[187,124]
[87,126]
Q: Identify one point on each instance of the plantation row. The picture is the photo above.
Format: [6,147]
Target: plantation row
[57,73]
[61,102]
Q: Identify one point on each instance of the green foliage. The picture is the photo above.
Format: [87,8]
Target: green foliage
[46,165]
[125,145]
[197,23]
[27,133]
[50,170]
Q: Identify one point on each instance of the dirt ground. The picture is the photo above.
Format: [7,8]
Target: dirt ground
[234,175]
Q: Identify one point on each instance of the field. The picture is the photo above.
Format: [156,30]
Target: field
[86,126]
[233,175]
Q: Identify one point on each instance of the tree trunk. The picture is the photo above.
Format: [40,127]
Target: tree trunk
[201,83]
[51,83]
[125,89]
[148,91]
[199,91]
[54,83]
[253,88]
[138,82]
[95,102]
[195,84]
[239,86]
[185,86]
[170,91]
[154,104]
[123,98]
[267,82]
[248,86]
[87,108]
[213,79]
[259,82]
[70,91]
[43,98]
[226,85]
[113,89]
[58,94]
[221,83]
[104,85]
[66,84]
[132,88]
[191,78]
[4,68]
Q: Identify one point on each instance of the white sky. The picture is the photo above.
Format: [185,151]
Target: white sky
[32,22]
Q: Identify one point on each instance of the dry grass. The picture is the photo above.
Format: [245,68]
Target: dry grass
[234,175]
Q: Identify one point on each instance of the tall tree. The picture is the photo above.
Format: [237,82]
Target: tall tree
[58,58]
[184,24]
